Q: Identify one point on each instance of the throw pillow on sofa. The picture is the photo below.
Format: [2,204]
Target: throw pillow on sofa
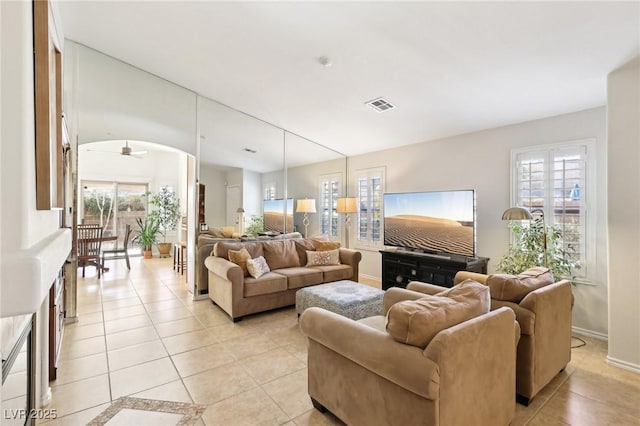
[513,288]
[326,245]
[257,267]
[417,322]
[321,258]
[240,258]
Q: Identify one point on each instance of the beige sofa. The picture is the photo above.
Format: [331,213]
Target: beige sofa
[464,376]
[544,316]
[206,242]
[239,295]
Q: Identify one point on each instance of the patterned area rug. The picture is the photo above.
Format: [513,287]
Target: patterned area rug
[188,414]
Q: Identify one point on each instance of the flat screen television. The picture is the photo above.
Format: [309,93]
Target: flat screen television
[431,222]
[273,215]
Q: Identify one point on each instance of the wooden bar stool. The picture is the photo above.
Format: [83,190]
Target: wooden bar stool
[176,257]
[180,257]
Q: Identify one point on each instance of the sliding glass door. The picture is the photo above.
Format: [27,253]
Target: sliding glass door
[113,205]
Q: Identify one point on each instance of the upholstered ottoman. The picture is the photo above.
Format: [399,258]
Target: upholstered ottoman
[347,298]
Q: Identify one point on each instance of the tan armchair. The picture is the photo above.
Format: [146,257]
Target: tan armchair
[464,376]
[544,316]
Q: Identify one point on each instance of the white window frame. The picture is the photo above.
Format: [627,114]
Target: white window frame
[367,208]
[587,272]
[333,225]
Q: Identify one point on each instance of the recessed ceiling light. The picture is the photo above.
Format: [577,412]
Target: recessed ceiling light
[249,150]
[380,105]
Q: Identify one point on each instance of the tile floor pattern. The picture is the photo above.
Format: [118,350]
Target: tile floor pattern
[140,334]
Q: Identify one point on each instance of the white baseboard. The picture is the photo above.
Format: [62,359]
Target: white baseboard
[201,296]
[634,368]
[589,333]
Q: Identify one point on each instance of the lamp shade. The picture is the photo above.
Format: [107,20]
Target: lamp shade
[347,205]
[306,206]
[516,213]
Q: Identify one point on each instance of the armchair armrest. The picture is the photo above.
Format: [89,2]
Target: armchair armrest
[425,288]
[466,275]
[374,350]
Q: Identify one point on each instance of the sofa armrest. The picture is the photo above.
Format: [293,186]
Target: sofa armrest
[466,275]
[224,268]
[352,258]
[397,294]
[425,288]
[404,365]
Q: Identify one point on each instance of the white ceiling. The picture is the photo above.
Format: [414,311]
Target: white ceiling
[450,68]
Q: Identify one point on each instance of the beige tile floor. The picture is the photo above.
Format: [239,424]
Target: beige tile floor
[140,334]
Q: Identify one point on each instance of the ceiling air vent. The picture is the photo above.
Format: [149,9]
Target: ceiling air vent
[380,105]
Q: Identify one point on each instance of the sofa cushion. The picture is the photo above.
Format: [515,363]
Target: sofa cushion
[228,231]
[417,322]
[513,288]
[257,267]
[281,254]
[301,277]
[301,247]
[266,284]
[329,257]
[240,257]
[326,245]
[221,249]
[335,272]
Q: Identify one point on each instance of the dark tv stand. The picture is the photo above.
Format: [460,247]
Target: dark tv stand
[401,266]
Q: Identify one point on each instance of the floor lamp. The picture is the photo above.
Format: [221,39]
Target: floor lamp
[520,213]
[306,206]
[347,205]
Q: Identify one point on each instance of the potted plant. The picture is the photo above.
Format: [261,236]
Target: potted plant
[528,251]
[146,235]
[256,225]
[167,214]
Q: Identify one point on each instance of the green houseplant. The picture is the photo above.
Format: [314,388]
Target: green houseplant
[146,234]
[528,250]
[167,215]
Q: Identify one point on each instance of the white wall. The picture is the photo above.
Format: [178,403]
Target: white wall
[481,161]
[251,194]
[22,227]
[623,127]
[118,101]
[215,195]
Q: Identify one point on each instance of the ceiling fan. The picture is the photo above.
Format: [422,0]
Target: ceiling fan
[125,150]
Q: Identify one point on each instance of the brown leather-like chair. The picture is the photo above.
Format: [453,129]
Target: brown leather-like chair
[544,316]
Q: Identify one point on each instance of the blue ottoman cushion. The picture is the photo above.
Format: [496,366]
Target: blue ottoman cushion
[347,298]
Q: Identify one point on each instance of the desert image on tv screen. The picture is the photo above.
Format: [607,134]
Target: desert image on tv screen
[437,222]
[273,215]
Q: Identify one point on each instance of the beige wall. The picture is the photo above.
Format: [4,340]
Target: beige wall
[623,128]
[481,161]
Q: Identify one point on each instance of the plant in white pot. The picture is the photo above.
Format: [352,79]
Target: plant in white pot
[167,214]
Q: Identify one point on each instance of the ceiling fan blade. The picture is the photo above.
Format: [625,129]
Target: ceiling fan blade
[138,152]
